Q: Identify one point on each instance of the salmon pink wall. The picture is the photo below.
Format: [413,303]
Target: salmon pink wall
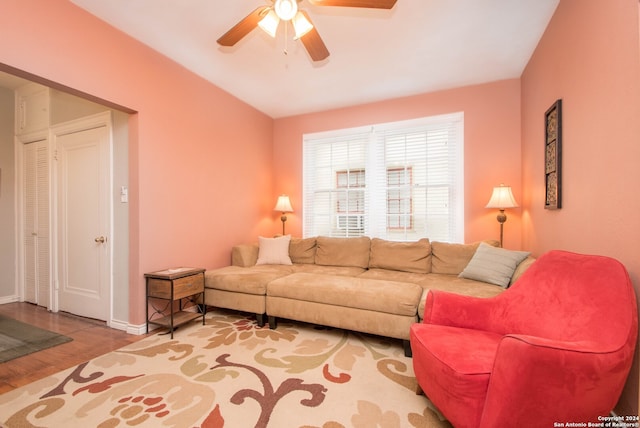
[590,57]
[200,160]
[491,148]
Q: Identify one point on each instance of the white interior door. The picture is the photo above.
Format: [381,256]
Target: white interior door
[84,219]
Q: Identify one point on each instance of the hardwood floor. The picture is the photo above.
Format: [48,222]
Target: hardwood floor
[91,338]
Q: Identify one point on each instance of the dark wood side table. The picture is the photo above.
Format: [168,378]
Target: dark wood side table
[174,285]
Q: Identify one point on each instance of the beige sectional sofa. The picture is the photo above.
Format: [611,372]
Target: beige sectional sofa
[367,285]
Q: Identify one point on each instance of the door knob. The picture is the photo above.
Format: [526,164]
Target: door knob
[101,239]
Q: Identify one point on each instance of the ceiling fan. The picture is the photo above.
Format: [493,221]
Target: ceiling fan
[268,18]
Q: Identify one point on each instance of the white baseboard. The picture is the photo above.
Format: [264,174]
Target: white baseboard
[137,329]
[9,299]
[129,328]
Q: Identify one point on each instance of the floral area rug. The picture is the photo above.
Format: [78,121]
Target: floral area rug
[231,373]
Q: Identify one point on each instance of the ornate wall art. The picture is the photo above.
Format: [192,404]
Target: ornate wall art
[553,156]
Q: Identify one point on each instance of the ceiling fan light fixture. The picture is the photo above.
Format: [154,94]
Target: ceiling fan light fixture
[286,9]
[270,23]
[269,17]
[301,25]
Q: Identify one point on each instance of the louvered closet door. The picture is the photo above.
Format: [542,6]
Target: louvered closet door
[37,271]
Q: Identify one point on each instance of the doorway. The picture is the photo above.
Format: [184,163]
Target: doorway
[67,105]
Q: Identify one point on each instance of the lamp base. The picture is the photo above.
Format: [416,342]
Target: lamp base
[283,218]
[502,217]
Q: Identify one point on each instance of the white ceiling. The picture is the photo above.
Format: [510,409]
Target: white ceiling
[419,46]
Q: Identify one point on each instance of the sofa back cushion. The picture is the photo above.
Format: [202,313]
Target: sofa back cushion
[401,256]
[453,258]
[522,267]
[343,251]
[302,250]
[244,255]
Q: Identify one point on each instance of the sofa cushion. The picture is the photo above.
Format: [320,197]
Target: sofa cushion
[399,298]
[330,270]
[343,251]
[252,280]
[493,265]
[302,250]
[453,258]
[274,251]
[401,256]
[393,275]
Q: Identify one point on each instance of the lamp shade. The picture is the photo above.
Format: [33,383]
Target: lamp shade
[502,198]
[283,205]
[270,23]
[301,25]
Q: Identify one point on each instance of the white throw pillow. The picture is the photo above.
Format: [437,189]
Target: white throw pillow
[274,251]
[493,265]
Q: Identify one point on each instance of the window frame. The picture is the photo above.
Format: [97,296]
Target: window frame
[449,215]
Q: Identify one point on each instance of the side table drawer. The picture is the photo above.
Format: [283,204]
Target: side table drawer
[160,288]
[182,287]
[188,286]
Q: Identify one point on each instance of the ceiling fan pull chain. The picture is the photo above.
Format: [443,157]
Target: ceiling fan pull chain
[286,37]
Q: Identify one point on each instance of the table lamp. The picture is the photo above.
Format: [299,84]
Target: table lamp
[284,206]
[502,198]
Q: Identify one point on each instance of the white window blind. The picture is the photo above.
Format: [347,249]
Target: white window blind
[335,185]
[413,181]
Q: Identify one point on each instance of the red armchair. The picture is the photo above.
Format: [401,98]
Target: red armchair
[556,346]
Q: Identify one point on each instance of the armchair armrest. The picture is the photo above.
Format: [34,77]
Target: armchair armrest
[530,374]
[560,345]
[456,310]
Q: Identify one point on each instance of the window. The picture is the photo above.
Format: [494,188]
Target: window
[399,199]
[350,200]
[351,185]
[399,181]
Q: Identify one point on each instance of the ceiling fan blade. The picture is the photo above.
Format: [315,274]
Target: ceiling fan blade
[313,42]
[244,27]
[373,4]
